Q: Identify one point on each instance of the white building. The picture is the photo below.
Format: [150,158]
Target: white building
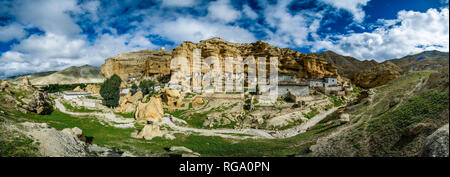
[75,94]
[325,82]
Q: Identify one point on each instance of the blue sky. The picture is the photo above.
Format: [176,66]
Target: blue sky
[42,35]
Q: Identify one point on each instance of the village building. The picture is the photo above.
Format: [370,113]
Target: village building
[324,82]
[75,94]
[294,88]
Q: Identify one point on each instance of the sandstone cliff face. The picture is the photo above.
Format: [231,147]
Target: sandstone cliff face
[157,62]
[290,61]
[136,64]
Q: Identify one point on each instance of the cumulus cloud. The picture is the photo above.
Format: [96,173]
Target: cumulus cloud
[222,10]
[188,29]
[290,29]
[352,6]
[75,32]
[412,32]
[249,12]
[48,15]
[11,31]
[178,3]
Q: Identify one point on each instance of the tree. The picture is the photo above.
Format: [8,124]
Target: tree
[134,89]
[147,86]
[110,91]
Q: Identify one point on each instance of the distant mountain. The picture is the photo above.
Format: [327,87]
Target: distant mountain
[421,61]
[70,75]
[366,73]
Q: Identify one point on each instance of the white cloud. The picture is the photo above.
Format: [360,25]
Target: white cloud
[49,15]
[51,46]
[188,29]
[249,12]
[352,6]
[11,31]
[412,32]
[290,29]
[223,11]
[178,3]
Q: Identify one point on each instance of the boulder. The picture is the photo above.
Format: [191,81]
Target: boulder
[3,86]
[77,89]
[75,132]
[436,145]
[152,110]
[150,131]
[93,89]
[197,102]
[39,103]
[127,103]
[26,81]
[171,98]
[344,118]
[169,136]
[180,148]
[415,129]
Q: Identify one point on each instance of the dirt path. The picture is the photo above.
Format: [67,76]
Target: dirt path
[118,121]
[121,122]
[304,126]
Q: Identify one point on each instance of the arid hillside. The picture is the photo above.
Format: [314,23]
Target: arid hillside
[70,75]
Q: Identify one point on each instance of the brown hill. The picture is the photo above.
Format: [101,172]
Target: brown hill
[366,73]
[70,75]
[423,61]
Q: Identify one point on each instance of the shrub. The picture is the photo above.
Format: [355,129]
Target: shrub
[134,89]
[147,86]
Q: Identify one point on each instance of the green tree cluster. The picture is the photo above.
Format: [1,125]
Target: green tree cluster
[147,86]
[110,91]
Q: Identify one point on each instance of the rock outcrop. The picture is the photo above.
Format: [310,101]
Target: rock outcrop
[436,145]
[290,62]
[150,131]
[365,73]
[77,89]
[171,98]
[157,62]
[377,75]
[136,64]
[127,103]
[197,102]
[65,143]
[93,89]
[151,111]
[39,103]
[26,81]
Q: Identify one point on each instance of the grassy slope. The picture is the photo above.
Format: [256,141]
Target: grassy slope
[112,137]
[378,128]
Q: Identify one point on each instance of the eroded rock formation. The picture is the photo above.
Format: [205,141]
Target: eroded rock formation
[290,61]
[157,62]
[171,98]
[135,64]
[151,111]
[127,103]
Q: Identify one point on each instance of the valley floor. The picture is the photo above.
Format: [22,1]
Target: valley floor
[322,135]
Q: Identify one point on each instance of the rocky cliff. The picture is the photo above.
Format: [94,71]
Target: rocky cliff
[291,62]
[157,62]
[136,64]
